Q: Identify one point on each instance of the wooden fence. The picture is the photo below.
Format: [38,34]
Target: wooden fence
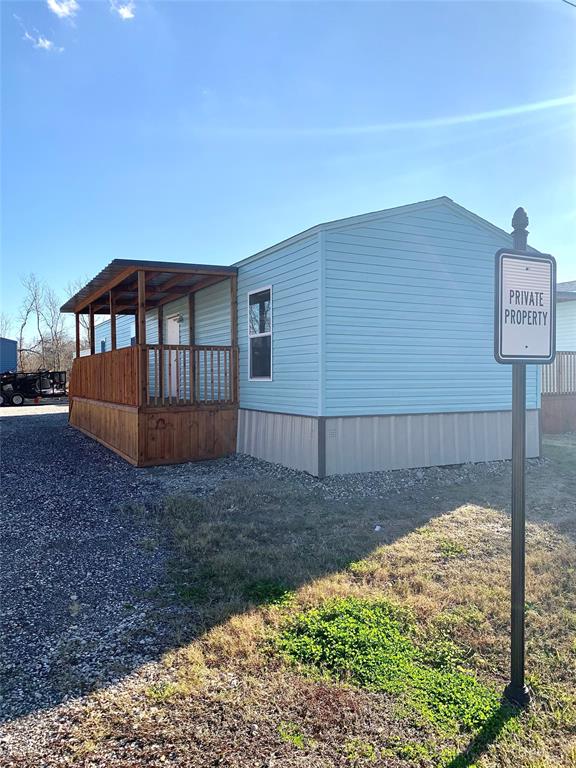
[559,378]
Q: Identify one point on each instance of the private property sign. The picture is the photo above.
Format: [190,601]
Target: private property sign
[524,332]
[525,304]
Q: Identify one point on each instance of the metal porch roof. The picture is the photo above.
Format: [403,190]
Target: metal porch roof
[191,274]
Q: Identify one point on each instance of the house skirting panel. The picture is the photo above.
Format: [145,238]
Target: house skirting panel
[371,443]
[280,438]
[346,444]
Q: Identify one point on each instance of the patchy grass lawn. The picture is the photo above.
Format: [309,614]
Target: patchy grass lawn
[304,636]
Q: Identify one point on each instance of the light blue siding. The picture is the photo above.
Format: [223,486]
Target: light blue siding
[292,270]
[389,313]
[212,326]
[409,316]
[152,326]
[212,314]
[126,326]
[566,326]
[125,330]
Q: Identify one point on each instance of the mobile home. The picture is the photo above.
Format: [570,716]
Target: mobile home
[357,345]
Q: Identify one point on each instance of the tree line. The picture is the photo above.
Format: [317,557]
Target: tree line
[42,332]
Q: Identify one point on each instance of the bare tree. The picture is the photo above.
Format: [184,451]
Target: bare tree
[43,341]
[29,301]
[6,325]
[56,340]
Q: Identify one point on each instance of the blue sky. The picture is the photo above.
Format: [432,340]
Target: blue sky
[207,131]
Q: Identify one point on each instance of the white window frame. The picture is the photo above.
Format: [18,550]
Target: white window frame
[259,335]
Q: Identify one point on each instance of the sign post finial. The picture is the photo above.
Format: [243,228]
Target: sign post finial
[519,231]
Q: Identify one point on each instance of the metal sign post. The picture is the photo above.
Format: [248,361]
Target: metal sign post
[516,691]
[524,332]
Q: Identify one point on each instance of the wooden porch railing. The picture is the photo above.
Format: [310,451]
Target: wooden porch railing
[109,376]
[159,375]
[178,374]
[559,378]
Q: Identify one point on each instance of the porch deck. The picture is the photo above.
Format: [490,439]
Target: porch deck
[157,403]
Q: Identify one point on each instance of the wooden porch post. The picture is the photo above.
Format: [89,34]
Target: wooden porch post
[92,339]
[160,392]
[192,342]
[112,321]
[77,316]
[141,326]
[234,335]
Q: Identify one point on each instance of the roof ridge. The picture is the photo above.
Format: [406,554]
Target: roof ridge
[335,223]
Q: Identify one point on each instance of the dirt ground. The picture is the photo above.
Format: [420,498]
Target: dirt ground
[45,407]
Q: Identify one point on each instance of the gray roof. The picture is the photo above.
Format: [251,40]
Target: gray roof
[566,291]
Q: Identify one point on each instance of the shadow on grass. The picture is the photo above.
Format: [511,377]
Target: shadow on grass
[252,542]
[486,736]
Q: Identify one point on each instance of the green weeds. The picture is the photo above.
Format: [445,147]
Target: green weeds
[372,644]
[451,549]
[292,734]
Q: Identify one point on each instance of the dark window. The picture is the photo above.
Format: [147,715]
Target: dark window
[260,334]
[103,345]
[261,357]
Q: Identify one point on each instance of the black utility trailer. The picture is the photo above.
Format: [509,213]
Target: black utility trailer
[15,388]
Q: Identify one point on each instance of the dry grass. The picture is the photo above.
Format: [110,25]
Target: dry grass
[252,556]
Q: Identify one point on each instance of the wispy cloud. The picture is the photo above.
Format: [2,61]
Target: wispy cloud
[425,123]
[126,9]
[473,117]
[64,9]
[38,40]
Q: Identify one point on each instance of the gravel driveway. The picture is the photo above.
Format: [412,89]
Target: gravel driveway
[71,560]
[75,564]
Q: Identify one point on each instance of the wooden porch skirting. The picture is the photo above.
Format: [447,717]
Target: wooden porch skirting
[558,414]
[150,435]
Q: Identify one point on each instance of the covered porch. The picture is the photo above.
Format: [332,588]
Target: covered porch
[160,382]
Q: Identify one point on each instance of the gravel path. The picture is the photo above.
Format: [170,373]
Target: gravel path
[77,564]
[71,561]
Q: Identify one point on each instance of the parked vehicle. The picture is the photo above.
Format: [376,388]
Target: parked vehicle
[16,388]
